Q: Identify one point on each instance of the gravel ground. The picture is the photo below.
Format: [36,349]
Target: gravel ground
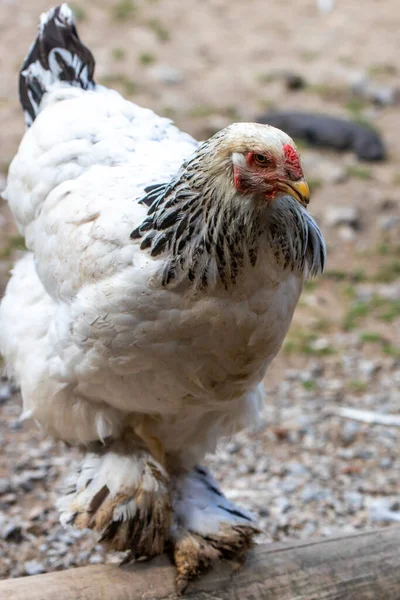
[307,471]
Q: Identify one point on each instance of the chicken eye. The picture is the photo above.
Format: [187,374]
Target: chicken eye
[261,160]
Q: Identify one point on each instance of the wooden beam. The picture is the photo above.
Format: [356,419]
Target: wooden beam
[363,566]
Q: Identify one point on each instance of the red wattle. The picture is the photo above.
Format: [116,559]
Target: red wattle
[237,180]
[249,158]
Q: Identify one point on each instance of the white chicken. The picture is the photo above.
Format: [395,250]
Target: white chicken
[160,282]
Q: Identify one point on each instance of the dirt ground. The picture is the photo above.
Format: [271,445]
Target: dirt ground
[206,64]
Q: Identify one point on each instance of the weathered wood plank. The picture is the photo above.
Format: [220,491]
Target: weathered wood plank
[364,566]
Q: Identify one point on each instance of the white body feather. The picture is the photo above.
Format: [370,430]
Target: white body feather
[83,327]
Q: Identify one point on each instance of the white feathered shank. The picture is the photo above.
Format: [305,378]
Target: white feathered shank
[160,282]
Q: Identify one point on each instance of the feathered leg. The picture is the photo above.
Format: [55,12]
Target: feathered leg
[121,492]
[206,526]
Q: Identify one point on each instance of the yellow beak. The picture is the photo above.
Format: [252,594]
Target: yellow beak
[299,190]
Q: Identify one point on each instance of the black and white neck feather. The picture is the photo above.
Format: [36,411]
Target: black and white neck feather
[209,233]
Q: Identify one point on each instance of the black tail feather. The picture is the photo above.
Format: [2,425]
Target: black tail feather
[56,55]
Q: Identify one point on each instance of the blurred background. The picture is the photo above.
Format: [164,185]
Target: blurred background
[309,470]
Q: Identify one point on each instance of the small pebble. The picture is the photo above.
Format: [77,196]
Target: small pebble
[167,75]
[5,393]
[349,432]
[33,567]
[342,215]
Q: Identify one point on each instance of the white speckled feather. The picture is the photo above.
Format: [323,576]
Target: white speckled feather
[111,343]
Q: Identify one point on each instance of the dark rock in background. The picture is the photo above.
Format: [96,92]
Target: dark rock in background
[329,132]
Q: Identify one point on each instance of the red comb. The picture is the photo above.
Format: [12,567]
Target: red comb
[292,158]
